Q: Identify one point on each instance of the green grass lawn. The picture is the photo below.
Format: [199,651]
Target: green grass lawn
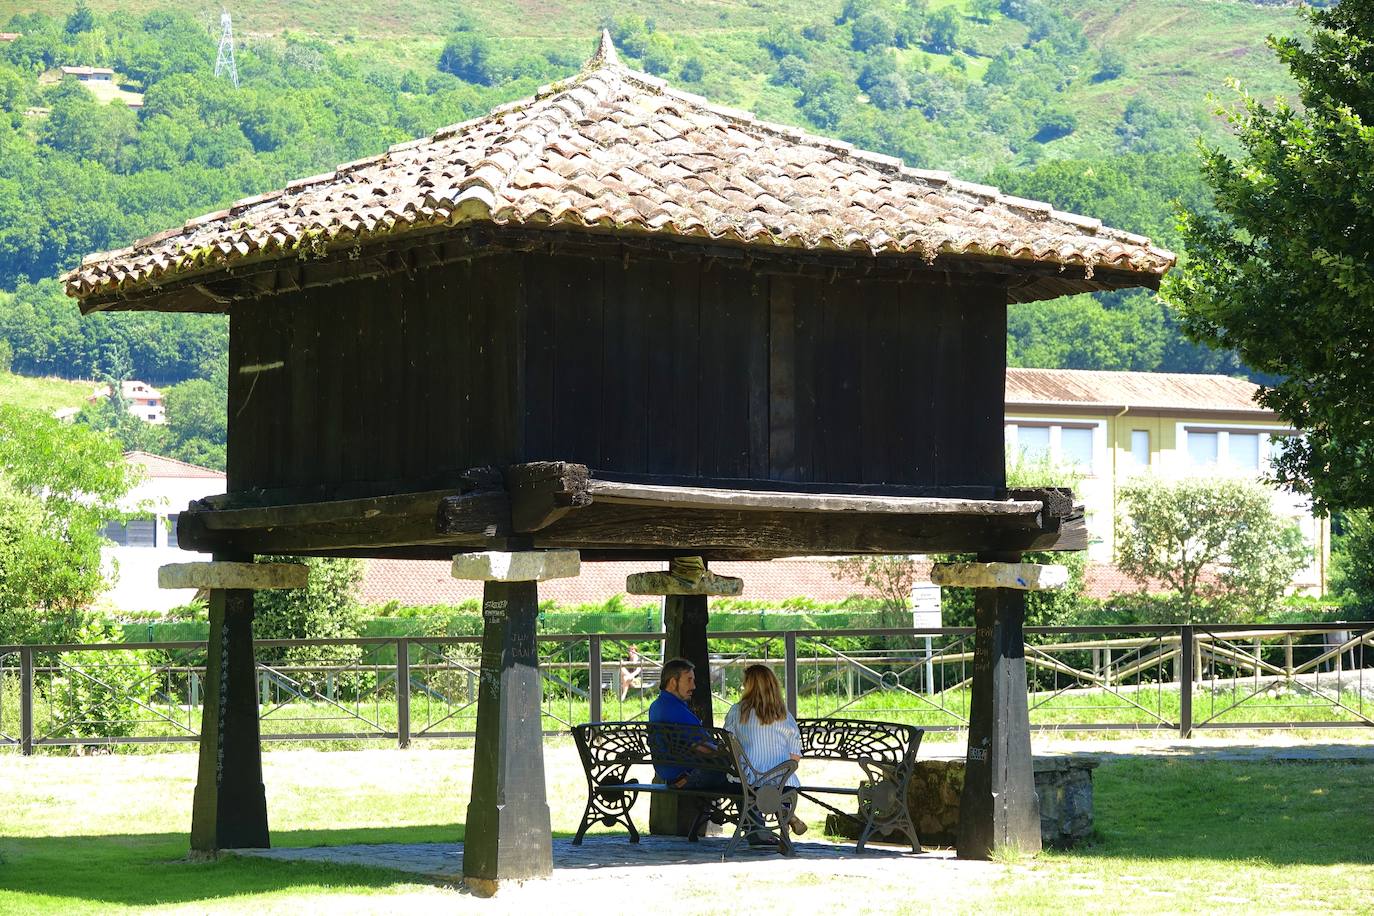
[108,834]
[46,394]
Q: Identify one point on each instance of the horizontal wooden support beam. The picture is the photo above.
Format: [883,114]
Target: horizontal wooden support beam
[544,491]
[636,494]
[403,505]
[1028,577]
[517,566]
[725,533]
[561,505]
[224,575]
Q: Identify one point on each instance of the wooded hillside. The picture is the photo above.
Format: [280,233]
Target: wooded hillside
[1095,106]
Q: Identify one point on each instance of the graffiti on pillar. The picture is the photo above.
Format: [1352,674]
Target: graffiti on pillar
[494,610]
[223,696]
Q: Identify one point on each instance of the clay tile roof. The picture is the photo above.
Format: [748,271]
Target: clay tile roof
[1143,390]
[618,151]
[159,466]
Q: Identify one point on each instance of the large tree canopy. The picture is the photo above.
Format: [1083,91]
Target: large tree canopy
[1285,275]
[58,486]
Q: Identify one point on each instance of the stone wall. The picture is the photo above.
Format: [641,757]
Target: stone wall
[1064,784]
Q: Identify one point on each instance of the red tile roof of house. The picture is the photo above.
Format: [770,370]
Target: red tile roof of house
[160,466]
[419,582]
[413,583]
[616,151]
[1145,390]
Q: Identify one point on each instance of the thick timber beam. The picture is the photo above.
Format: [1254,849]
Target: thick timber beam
[508,837]
[229,810]
[999,807]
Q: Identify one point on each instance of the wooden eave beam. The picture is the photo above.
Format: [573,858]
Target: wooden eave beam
[216,288]
[561,504]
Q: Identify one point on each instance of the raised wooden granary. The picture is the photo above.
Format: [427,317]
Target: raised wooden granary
[619,320]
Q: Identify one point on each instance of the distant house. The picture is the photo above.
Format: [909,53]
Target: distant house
[1114,426]
[6,37]
[90,74]
[142,400]
[137,548]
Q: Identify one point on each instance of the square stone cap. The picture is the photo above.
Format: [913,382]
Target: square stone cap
[519,566]
[224,575]
[1028,577]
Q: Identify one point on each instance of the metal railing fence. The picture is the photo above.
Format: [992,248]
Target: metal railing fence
[403,689]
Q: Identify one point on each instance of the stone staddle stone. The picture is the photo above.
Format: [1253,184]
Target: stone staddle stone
[519,566]
[226,575]
[1029,577]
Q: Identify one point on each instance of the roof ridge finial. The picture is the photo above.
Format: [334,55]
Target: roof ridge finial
[605,55]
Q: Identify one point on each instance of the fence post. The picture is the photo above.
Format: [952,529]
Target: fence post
[26,701]
[789,643]
[594,678]
[1185,684]
[403,692]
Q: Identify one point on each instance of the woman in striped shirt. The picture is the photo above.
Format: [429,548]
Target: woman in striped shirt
[765,729]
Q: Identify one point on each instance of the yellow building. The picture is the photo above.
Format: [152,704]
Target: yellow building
[1115,425]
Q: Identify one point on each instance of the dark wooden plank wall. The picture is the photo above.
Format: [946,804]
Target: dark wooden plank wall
[680,369]
[394,379]
[635,366]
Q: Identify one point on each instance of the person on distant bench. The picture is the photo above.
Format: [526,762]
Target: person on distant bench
[765,729]
[676,683]
[630,670]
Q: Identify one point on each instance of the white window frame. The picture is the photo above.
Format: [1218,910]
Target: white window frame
[1224,431]
[1011,431]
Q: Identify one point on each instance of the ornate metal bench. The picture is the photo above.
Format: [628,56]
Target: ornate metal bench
[761,803]
[885,752]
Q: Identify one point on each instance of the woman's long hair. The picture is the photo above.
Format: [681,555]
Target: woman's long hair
[762,696]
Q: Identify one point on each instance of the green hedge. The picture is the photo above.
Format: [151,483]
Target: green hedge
[469,624]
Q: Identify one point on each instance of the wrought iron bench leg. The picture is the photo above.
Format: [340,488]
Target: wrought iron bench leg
[609,812]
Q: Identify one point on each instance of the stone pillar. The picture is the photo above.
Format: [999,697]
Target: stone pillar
[507,835]
[999,805]
[686,585]
[229,810]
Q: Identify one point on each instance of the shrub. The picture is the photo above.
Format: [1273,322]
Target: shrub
[99,693]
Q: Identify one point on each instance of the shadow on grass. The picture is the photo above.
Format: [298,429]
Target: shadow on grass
[1307,752]
[139,870]
[1227,810]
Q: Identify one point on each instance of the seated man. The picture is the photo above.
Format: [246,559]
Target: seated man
[676,684]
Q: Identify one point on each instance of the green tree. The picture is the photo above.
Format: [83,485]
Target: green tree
[197,421]
[942,30]
[59,484]
[826,99]
[872,31]
[326,608]
[1284,274]
[692,70]
[658,54]
[1215,544]
[467,56]
[1352,559]
[81,19]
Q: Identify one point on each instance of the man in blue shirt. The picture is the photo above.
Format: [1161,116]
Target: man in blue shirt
[676,684]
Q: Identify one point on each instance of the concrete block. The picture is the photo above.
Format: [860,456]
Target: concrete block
[1029,577]
[232,575]
[520,566]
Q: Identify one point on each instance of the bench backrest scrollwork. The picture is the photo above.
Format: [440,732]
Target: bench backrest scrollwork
[610,749]
[884,743]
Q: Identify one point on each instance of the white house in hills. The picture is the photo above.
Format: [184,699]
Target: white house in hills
[138,548]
